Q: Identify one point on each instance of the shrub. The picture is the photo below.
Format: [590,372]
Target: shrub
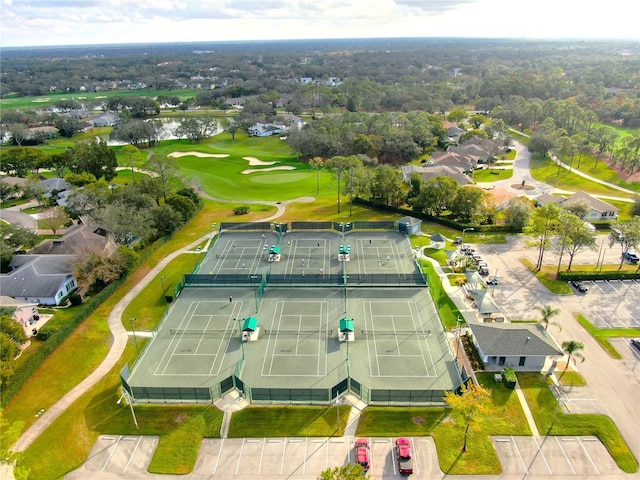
[509,378]
[75,299]
[45,332]
[241,210]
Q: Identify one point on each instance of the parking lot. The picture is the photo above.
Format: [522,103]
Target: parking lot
[304,457]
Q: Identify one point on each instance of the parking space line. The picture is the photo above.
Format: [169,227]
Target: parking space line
[215,467]
[611,285]
[589,457]
[114,447]
[240,456]
[565,453]
[393,456]
[304,461]
[132,454]
[415,457]
[264,443]
[602,318]
[526,470]
[595,283]
[284,449]
[542,455]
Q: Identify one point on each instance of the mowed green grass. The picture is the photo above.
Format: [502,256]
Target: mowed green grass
[505,418]
[223,177]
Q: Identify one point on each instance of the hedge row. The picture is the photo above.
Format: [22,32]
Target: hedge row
[60,334]
[608,275]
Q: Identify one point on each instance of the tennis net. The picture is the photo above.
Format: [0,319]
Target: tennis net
[395,333]
[299,333]
[201,331]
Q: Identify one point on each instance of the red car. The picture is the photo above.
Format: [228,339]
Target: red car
[403,456]
[362,453]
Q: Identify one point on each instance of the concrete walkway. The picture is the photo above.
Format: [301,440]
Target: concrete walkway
[118,342]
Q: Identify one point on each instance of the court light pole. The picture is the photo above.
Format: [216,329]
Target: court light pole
[459,321]
[470,229]
[211,227]
[135,340]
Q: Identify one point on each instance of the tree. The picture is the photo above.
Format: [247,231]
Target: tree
[94,270]
[33,189]
[317,163]
[547,312]
[12,238]
[626,234]
[435,195]
[338,165]
[572,348]
[467,204]
[473,400]
[635,210]
[123,222]
[351,471]
[95,158]
[387,186]
[517,213]
[166,172]
[7,190]
[53,219]
[67,126]
[457,115]
[92,196]
[576,235]
[197,129]
[542,226]
[131,153]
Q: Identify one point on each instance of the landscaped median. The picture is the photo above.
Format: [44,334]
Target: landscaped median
[550,420]
[505,418]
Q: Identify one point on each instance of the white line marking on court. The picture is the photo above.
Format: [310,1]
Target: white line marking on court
[565,454]
[375,345]
[542,454]
[113,449]
[393,457]
[520,455]
[304,461]
[593,464]
[215,467]
[132,454]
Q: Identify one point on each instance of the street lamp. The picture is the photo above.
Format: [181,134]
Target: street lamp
[211,227]
[462,239]
[126,395]
[458,322]
[135,340]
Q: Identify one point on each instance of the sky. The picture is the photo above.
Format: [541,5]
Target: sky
[79,22]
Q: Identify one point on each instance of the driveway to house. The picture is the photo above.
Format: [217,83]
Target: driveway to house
[17,218]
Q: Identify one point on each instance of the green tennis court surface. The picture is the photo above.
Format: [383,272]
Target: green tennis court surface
[398,349]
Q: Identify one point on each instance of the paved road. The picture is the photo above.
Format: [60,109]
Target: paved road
[18,218]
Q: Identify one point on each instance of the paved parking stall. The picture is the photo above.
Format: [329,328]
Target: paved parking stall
[549,456]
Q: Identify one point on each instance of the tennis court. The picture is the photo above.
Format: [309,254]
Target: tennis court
[398,350]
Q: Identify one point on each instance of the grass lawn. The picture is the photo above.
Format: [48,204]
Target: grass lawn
[550,420]
[571,379]
[545,170]
[492,174]
[602,171]
[602,335]
[547,276]
[310,421]
[449,313]
[506,418]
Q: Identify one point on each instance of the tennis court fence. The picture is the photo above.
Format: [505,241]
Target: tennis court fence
[220,279]
[395,333]
[246,226]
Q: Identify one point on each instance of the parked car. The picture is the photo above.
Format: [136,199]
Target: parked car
[403,456]
[492,281]
[457,241]
[579,286]
[362,453]
[635,343]
[631,257]
[483,271]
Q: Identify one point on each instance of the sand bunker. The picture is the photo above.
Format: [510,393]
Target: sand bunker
[198,154]
[253,161]
[252,170]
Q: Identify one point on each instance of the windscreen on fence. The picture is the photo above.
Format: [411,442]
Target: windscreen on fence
[386,280]
[388,225]
[311,225]
[306,280]
[260,226]
[228,279]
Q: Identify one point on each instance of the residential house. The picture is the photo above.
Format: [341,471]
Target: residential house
[481,148]
[78,239]
[107,119]
[264,130]
[597,209]
[306,80]
[235,102]
[333,82]
[40,279]
[524,347]
[53,186]
[429,172]
[466,162]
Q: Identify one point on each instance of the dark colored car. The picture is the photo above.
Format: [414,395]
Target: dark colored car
[492,281]
[579,286]
[635,343]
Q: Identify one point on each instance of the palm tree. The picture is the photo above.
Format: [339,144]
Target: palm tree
[547,312]
[572,348]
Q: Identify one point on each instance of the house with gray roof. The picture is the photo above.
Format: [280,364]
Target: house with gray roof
[40,279]
[596,209]
[78,239]
[428,172]
[523,347]
[464,161]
